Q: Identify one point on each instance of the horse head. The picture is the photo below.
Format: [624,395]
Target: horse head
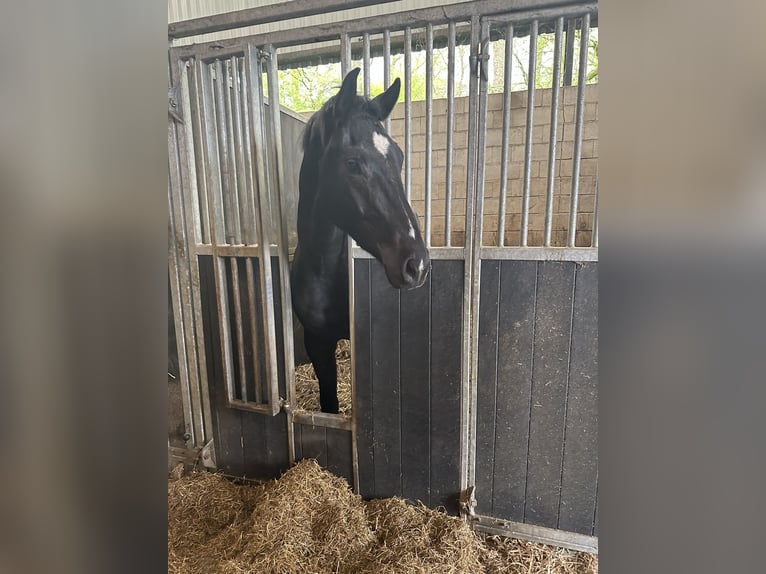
[359,185]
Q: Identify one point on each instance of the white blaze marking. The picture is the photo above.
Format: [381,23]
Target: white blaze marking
[381,143]
[412,231]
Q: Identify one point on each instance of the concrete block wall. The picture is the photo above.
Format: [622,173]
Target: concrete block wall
[539,167]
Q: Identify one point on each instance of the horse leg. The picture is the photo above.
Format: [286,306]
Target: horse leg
[321,351]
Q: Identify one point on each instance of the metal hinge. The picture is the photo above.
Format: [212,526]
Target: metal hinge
[174,106]
[468,502]
[479,61]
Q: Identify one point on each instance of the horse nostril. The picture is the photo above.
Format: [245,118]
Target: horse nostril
[410,271]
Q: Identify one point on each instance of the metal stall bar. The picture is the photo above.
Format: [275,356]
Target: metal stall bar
[272,66]
[387,69]
[450,135]
[429,128]
[366,64]
[556,89]
[229,84]
[182,91]
[408,112]
[345,64]
[223,132]
[579,116]
[258,137]
[569,52]
[196,342]
[594,236]
[531,76]
[244,182]
[239,331]
[505,145]
[467,408]
[257,374]
[252,228]
[216,215]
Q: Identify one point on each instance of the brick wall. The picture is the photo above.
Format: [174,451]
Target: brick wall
[540,134]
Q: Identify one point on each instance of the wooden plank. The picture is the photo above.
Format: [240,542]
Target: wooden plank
[314,443]
[363,407]
[515,336]
[487,384]
[415,389]
[228,422]
[386,414]
[580,464]
[339,454]
[553,319]
[446,345]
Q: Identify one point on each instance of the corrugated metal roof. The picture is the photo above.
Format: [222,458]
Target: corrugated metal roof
[187,9]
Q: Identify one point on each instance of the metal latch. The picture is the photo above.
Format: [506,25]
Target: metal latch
[174,107]
[479,61]
[468,502]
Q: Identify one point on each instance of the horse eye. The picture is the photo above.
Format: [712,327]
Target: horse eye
[353,166]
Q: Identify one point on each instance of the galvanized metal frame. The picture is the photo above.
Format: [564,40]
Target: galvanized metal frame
[482,14]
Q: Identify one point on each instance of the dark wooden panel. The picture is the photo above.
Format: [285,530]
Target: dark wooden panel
[264,439]
[415,389]
[339,454]
[446,346]
[314,443]
[298,440]
[487,384]
[578,478]
[228,422]
[553,319]
[386,411]
[515,334]
[363,406]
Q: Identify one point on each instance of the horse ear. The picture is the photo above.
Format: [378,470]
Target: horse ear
[347,91]
[382,105]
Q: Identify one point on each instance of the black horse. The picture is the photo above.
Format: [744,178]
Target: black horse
[350,184]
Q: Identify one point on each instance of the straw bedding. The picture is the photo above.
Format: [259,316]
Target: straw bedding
[310,522]
[307,386]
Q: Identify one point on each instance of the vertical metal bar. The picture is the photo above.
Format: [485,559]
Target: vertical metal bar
[272,66]
[594,234]
[345,64]
[450,132]
[238,327]
[267,284]
[224,151]
[197,141]
[387,68]
[429,127]
[210,153]
[345,55]
[408,112]
[229,87]
[216,214]
[366,64]
[472,247]
[251,229]
[579,117]
[506,135]
[569,51]
[554,130]
[243,191]
[531,76]
[190,293]
[189,159]
[257,373]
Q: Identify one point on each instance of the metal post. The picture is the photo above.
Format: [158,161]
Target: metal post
[579,117]
[257,372]
[387,69]
[272,67]
[569,51]
[450,130]
[252,229]
[506,135]
[366,64]
[224,150]
[408,112]
[429,128]
[531,76]
[243,191]
[345,55]
[239,331]
[555,91]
